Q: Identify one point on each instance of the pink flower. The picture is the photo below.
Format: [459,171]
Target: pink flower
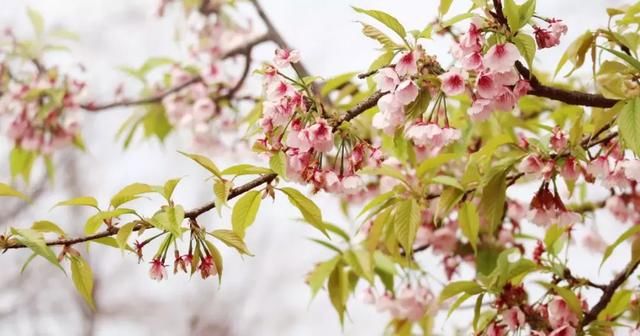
[505,100]
[593,241]
[567,218]
[368,297]
[522,88]
[407,64]
[320,136]
[406,92]
[425,134]
[558,27]
[207,267]
[516,211]
[157,271]
[632,169]
[391,114]
[299,138]
[599,167]
[495,329]
[203,109]
[444,240]
[453,82]
[386,79]
[277,113]
[618,207]
[352,184]
[471,41]
[531,164]
[558,140]
[560,314]
[513,318]
[472,62]
[501,57]
[545,38]
[279,90]
[486,86]
[507,78]
[285,57]
[412,303]
[331,182]
[616,178]
[570,170]
[565,330]
[480,109]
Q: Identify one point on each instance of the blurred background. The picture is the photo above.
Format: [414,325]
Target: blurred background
[261,295]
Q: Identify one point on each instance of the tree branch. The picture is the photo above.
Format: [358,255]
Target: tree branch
[608,292]
[566,96]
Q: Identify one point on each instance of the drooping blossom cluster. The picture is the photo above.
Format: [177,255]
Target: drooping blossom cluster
[41,114]
[491,78]
[182,263]
[292,123]
[550,37]
[411,302]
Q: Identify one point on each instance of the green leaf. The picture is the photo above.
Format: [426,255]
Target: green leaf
[245,211]
[433,163]
[518,16]
[630,60]
[527,46]
[6,190]
[278,163]
[444,7]
[37,21]
[205,162]
[217,258]
[309,210]
[47,226]
[321,273]
[469,222]
[123,234]
[221,190]
[83,279]
[618,304]
[20,162]
[169,187]
[448,199]
[245,169]
[623,237]
[231,239]
[376,201]
[336,82]
[154,62]
[493,199]
[35,241]
[447,181]
[376,34]
[80,201]
[406,223]
[339,291]
[461,17]
[169,220]
[629,124]
[385,19]
[454,288]
[94,222]
[130,193]
[457,303]
[361,262]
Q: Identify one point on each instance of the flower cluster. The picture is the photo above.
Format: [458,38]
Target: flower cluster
[42,115]
[205,265]
[550,37]
[292,123]
[496,82]
[409,303]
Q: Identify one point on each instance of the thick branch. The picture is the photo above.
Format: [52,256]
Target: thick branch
[566,96]
[608,292]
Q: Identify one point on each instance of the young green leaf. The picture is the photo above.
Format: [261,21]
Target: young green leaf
[278,163]
[123,235]
[82,277]
[130,193]
[35,241]
[94,222]
[406,221]
[469,222]
[339,291]
[309,210]
[321,273]
[246,169]
[629,124]
[205,162]
[37,21]
[221,191]
[245,211]
[6,190]
[231,239]
[454,288]
[385,19]
[47,226]
[80,201]
[623,237]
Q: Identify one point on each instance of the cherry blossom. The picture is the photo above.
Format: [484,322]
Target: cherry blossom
[157,271]
[286,57]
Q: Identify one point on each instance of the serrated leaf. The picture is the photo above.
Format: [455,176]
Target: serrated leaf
[169,187]
[245,211]
[454,288]
[130,193]
[217,258]
[321,273]
[385,19]
[94,222]
[469,222]
[221,191]
[518,16]
[82,277]
[629,124]
[623,237]
[205,162]
[382,38]
[309,210]
[406,222]
[618,304]
[170,219]
[246,169]
[493,199]
[630,60]
[336,82]
[231,239]
[361,262]
[433,163]
[47,226]
[527,46]
[80,201]
[35,241]
[6,190]
[339,291]
[278,163]
[123,234]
